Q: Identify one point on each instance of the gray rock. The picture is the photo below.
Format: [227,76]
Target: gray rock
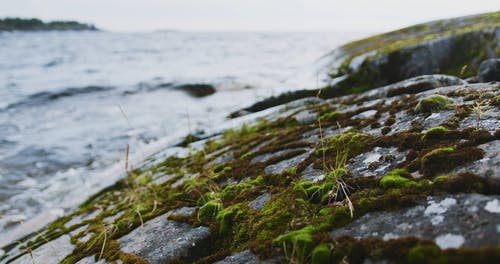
[489,70]
[184,178]
[223,158]
[376,162]
[312,174]
[306,117]
[160,178]
[243,257]
[260,201]
[51,252]
[83,217]
[183,211]
[403,122]
[436,119]
[489,121]
[266,156]
[451,221]
[91,260]
[281,166]
[489,166]
[112,218]
[161,240]
[365,114]
[413,85]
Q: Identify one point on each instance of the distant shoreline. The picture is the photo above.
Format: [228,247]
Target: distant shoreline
[34,24]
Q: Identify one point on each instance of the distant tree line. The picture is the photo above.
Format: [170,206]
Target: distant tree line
[34,24]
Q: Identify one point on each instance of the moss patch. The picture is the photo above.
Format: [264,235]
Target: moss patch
[434,103]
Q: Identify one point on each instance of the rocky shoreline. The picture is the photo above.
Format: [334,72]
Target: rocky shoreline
[34,24]
[396,162]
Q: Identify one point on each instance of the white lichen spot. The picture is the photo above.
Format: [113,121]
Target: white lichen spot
[472,209]
[404,226]
[493,206]
[498,228]
[434,115]
[450,241]
[367,114]
[389,236]
[439,208]
[436,220]
[371,157]
[2,253]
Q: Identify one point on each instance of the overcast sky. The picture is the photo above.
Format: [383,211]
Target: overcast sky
[246,15]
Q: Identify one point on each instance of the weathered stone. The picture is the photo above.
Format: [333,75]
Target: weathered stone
[489,121]
[436,119]
[161,240]
[184,178]
[51,252]
[306,117]
[312,174]
[80,218]
[283,165]
[183,211]
[91,260]
[223,158]
[243,257]
[489,166]
[489,70]
[413,86]
[266,156]
[450,221]
[260,201]
[376,162]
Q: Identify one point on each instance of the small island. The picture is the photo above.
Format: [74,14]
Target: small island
[34,24]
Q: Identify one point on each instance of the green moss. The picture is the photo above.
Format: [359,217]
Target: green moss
[321,254]
[210,209]
[495,100]
[225,217]
[298,241]
[395,179]
[336,174]
[329,116]
[463,182]
[315,192]
[349,144]
[434,103]
[143,179]
[231,191]
[445,159]
[434,133]
[423,253]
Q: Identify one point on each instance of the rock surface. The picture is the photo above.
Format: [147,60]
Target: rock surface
[489,70]
[451,221]
[160,240]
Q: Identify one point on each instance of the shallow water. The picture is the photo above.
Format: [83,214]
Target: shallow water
[70,102]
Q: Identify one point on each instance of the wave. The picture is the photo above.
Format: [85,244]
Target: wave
[45,97]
